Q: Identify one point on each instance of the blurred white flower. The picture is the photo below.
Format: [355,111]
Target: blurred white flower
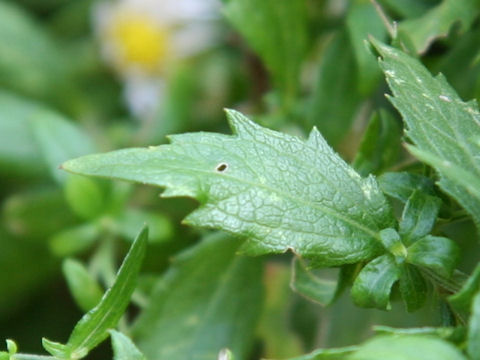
[142,39]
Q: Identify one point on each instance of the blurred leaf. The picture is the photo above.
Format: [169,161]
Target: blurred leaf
[409,8]
[30,61]
[84,288]
[281,47]
[36,214]
[443,127]
[124,348]
[401,185]
[374,283]
[363,21]
[473,347]
[419,216]
[330,109]
[436,253]
[380,146]
[280,191]
[408,347]
[437,22]
[93,327]
[313,287]
[208,300]
[446,333]
[327,354]
[85,196]
[75,239]
[413,287]
[462,300]
[59,140]
[160,228]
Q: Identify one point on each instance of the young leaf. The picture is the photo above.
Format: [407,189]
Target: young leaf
[436,253]
[83,287]
[311,286]
[462,300]
[208,300]
[380,145]
[124,348]
[283,46]
[439,123]
[408,347]
[93,327]
[473,348]
[278,190]
[402,185]
[374,283]
[419,216]
[437,22]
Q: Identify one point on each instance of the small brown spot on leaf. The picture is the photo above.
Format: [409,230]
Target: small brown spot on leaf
[222,167]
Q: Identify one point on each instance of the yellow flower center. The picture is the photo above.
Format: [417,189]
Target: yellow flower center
[140,41]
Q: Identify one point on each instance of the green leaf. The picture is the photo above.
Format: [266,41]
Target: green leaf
[283,46]
[407,347]
[446,333]
[363,21]
[93,327]
[124,348]
[374,283]
[443,127]
[330,110]
[473,347]
[83,287]
[58,140]
[327,354]
[419,216]
[437,22]
[85,196]
[278,190]
[380,146]
[435,253]
[408,8]
[208,300]
[313,287]
[413,287]
[462,300]
[402,185]
[75,239]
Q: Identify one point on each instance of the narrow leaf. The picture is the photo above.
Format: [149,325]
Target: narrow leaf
[439,123]
[462,300]
[327,354]
[436,253]
[278,190]
[374,283]
[93,327]
[473,348]
[124,348]
[208,300]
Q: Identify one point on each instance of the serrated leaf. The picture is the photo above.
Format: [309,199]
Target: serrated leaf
[208,300]
[413,287]
[436,253]
[93,327]
[439,123]
[380,146]
[473,347]
[402,185]
[407,347]
[462,300]
[419,216]
[330,110]
[124,348]
[83,287]
[374,283]
[283,46]
[437,22]
[278,190]
[310,285]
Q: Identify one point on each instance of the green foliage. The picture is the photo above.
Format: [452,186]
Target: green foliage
[317,245]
